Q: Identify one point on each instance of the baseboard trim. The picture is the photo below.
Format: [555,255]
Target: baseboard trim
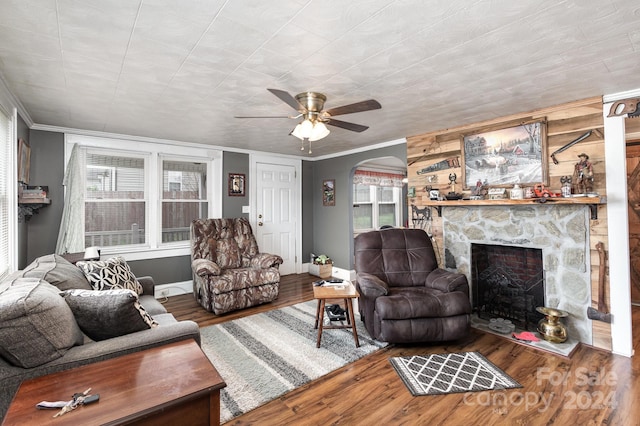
[173,289]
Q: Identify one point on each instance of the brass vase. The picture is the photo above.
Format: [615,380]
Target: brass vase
[550,326]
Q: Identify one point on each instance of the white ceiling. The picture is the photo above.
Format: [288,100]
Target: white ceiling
[181,70]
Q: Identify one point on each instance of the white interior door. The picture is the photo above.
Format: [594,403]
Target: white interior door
[276,207]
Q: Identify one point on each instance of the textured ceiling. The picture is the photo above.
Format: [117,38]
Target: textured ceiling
[181,70]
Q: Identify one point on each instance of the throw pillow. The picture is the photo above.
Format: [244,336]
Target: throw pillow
[103,314]
[37,325]
[110,274]
[58,271]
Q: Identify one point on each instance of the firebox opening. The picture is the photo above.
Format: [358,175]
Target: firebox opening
[508,282]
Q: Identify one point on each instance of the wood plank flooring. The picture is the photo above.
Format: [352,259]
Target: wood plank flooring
[593,387]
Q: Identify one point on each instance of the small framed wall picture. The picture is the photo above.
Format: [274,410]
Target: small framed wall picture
[24,161]
[329,192]
[236,184]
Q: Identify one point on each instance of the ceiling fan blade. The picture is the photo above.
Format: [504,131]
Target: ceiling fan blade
[357,107]
[263,116]
[288,99]
[346,125]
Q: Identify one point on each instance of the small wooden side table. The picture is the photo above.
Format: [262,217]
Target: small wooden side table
[167,385]
[347,292]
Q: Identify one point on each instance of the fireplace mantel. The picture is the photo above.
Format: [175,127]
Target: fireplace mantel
[591,202]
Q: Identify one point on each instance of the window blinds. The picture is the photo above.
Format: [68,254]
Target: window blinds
[5,153]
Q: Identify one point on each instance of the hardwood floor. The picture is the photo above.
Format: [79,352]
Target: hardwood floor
[593,387]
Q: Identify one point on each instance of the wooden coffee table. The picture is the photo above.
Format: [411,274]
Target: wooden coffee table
[168,385]
[346,292]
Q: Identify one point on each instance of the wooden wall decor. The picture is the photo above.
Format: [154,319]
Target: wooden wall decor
[565,123]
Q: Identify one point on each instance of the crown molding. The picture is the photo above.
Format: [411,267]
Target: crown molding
[635,93]
[14,101]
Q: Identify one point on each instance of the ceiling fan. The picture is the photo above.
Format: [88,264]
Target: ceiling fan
[310,106]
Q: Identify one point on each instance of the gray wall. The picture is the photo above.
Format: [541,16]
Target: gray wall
[332,228]
[234,162]
[47,159]
[307,209]
[324,229]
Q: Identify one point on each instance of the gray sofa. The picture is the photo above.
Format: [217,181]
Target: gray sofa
[63,275]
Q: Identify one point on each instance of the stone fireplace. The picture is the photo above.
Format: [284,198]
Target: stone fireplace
[560,232]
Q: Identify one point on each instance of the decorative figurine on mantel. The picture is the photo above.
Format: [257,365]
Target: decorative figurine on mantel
[479,191]
[583,175]
[452,195]
[566,186]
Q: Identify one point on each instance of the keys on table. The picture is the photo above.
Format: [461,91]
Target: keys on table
[76,399]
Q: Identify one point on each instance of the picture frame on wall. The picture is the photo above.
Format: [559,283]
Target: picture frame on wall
[500,156]
[236,184]
[329,192]
[24,161]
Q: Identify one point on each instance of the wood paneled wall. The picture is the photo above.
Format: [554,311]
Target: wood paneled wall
[565,123]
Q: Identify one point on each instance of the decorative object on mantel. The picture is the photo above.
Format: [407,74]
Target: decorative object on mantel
[566,186]
[550,327]
[479,191]
[583,175]
[453,195]
[516,193]
[496,193]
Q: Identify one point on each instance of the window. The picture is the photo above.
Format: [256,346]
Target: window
[115,202]
[376,200]
[184,197]
[141,203]
[5,199]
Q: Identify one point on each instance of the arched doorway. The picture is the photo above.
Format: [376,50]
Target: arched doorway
[378,195]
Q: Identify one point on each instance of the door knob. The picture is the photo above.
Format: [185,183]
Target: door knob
[259,223]
[259,216]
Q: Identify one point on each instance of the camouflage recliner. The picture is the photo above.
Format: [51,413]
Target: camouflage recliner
[229,272]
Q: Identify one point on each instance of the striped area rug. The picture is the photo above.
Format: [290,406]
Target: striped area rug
[265,355]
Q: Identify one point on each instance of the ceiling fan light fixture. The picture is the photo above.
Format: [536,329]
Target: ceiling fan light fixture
[319,131]
[303,130]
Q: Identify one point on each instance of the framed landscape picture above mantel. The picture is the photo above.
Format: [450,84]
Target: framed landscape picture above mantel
[503,156]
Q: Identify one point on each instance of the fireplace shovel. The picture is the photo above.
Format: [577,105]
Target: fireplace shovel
[600,313]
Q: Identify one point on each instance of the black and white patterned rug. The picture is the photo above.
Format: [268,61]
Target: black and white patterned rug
[440,374]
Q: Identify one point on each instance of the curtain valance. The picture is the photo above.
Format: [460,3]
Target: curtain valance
[366,177]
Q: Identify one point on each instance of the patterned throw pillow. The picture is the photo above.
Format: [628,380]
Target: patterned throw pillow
[110,274]
[103,314]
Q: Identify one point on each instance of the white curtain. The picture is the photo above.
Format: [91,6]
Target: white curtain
[71,235]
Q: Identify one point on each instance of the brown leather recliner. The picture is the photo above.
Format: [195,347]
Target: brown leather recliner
[404,296]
